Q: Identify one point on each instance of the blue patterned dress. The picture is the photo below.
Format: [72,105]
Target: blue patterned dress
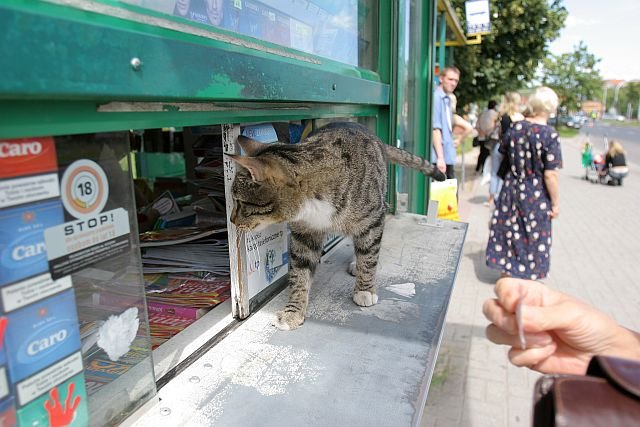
[520,233]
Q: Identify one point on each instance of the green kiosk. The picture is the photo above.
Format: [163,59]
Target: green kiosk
[127,297]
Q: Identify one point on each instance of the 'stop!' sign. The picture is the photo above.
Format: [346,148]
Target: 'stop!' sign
[478,18]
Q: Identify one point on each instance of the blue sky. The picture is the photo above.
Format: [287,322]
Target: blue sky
[611,31]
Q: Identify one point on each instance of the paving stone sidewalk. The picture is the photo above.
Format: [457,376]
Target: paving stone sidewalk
[596,243]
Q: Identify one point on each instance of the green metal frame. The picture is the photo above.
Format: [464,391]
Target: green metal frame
[73,54]
[65,68]
[442,38]
[69,71]
[424,87]
[387,57]
[42,118]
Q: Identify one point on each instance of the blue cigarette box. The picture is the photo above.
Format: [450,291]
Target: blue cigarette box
[22,249]
[40,334]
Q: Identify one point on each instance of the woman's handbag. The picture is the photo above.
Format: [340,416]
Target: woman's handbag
[504,168]
[608,395]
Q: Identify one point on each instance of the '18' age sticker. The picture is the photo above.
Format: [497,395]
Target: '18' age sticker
[84,188]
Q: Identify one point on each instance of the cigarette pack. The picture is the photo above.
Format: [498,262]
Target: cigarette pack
[41,334]
[22,248]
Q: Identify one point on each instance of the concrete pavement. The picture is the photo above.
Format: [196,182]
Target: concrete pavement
[595,256]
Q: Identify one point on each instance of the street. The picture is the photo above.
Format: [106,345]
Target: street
[596,240]
[628,136]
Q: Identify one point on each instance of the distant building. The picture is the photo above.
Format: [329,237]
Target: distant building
[589,107]
[613,82]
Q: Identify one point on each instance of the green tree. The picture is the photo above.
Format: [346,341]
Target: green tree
[521,31]
[629,96]
[573,76]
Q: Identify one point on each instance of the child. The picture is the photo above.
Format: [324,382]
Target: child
[587,158]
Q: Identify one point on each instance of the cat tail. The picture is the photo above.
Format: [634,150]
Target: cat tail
[404,158]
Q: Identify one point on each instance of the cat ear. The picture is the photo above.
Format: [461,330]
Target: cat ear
[250,146]
[255,166]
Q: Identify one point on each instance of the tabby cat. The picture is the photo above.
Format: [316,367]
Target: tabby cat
[336,181]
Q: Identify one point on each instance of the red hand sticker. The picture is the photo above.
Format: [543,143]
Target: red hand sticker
[3,327]
[61,416]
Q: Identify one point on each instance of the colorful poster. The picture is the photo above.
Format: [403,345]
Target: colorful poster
[282,31]
[250,19]
[193,10]
[232,14]
[269,24]
[301,36]
[215,12]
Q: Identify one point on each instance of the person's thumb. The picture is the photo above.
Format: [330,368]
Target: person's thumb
[559,316]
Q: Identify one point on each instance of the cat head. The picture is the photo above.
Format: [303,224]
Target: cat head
[265,190]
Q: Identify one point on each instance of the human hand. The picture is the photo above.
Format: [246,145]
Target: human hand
[441,165]
[562,333]
[554,212]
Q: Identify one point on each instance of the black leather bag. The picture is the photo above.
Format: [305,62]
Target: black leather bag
[504,168]
[608,395]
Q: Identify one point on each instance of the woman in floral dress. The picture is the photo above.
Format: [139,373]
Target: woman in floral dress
[520,233]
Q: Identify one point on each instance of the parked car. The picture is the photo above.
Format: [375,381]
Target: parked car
[565,120]
[581,118]
[618,117]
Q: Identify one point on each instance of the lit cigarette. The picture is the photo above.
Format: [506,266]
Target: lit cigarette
[523,341]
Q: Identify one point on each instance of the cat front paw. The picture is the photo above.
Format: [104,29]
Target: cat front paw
[365,298]
[288,320]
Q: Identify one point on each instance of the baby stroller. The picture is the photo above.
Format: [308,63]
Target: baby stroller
[592,164]
[596,173]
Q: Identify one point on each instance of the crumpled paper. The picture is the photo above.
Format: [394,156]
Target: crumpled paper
[118,332]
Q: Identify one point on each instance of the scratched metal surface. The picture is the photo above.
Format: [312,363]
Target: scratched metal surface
[346,365]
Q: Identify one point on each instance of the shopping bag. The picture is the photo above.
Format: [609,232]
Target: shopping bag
[445,193]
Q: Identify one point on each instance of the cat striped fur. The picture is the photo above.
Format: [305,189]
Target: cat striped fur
[336,181]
